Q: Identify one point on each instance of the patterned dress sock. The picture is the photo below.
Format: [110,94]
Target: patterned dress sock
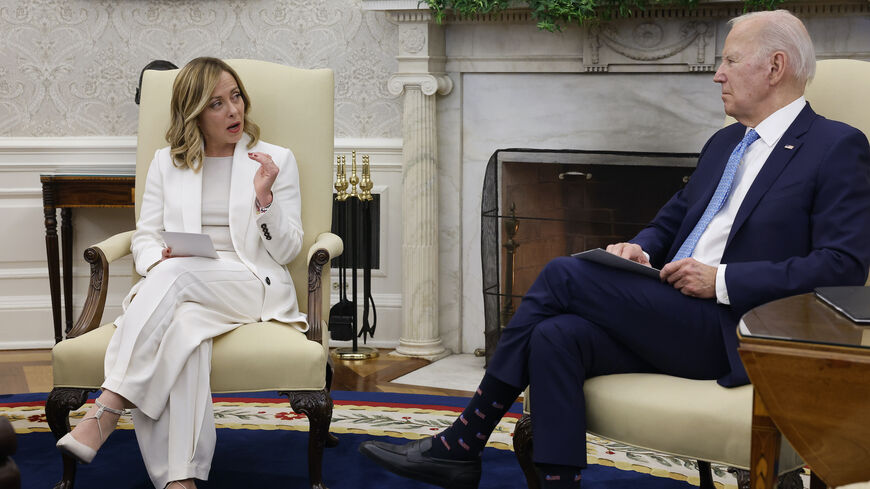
[558,476]
[465,439]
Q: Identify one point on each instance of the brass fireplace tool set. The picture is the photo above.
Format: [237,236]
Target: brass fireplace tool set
[354,206]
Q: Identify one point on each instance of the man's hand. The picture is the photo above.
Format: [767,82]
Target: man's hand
[629,251]
[691,277]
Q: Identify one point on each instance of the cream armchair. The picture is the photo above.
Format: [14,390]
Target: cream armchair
[294,108]
[699,419]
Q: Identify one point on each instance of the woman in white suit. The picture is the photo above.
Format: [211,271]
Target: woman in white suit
[217,178]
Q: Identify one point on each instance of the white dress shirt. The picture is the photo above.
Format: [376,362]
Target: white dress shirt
[711,244]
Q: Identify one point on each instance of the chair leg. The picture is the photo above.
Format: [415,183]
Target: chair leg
[331,439]
[317,405]
[816,482]
[10,476]
[523,450]
[57,407]
[789,480]
[742,477]
[705,471]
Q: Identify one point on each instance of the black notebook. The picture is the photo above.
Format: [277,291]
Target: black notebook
[852,301]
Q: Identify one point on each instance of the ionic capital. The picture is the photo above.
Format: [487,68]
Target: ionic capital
[429,83]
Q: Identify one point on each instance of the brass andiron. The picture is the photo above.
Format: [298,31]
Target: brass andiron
[511,226]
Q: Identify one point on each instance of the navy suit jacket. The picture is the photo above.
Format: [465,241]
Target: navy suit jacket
[804,223]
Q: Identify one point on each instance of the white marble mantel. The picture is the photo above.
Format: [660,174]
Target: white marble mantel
[643,83]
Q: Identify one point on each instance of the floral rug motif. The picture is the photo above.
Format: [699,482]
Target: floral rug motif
[394,419]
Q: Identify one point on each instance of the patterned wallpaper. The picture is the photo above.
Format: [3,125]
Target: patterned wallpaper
[70,67]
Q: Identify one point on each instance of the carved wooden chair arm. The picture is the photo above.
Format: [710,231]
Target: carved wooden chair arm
[100,256]
[326,247]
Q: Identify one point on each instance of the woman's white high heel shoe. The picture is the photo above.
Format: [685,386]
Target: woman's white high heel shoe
[69,445]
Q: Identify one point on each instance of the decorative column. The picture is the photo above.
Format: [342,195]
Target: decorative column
[420,78]
[420,335]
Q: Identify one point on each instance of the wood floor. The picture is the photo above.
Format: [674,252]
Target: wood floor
[23,371]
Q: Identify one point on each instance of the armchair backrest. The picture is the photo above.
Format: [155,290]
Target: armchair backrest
[839,91]
[294,108]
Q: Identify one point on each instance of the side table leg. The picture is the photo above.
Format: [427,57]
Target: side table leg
[66,242]
[765,447]
[51,253]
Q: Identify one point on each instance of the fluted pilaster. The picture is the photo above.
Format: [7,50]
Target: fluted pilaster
[420,78]
[420,332]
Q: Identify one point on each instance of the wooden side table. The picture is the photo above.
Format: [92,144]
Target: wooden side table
[810,367]
[67,191]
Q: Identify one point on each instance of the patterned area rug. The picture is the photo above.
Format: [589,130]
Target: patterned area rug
[384,415]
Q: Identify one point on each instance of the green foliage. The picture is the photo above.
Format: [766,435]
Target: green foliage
[553,14]
[465,8]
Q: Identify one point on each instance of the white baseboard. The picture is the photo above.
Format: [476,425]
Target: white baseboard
[27,345]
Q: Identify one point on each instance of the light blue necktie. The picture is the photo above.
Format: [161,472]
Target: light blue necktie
[719,196]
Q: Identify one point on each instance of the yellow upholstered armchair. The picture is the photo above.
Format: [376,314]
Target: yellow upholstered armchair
[294,109]
[699,419]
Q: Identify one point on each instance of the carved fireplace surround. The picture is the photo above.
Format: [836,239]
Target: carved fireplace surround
[473,86]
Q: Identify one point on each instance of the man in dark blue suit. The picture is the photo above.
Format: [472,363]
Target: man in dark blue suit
[779,204]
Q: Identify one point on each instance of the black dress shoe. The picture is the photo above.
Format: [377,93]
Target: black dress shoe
[412,460]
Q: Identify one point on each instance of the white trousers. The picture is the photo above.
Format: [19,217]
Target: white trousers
[160,357]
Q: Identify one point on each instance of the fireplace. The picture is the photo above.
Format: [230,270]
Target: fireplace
[540,204]
[494,81]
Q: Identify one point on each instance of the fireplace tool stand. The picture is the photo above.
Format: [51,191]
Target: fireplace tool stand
[345,328]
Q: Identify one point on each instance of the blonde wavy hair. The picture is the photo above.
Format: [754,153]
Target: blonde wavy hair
[191,93]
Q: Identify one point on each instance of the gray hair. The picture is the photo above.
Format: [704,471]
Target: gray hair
[784,32]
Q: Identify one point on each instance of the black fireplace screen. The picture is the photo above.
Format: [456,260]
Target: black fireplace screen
[540,204]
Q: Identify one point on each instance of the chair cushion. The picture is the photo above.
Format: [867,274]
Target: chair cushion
[697,419]
[253,357]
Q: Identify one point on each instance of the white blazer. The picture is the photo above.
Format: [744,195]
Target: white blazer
[265,243]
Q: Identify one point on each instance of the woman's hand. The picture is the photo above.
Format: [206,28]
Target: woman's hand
[264,178]
[166,254]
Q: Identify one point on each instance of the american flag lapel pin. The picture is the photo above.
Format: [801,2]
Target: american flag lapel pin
[789,146]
